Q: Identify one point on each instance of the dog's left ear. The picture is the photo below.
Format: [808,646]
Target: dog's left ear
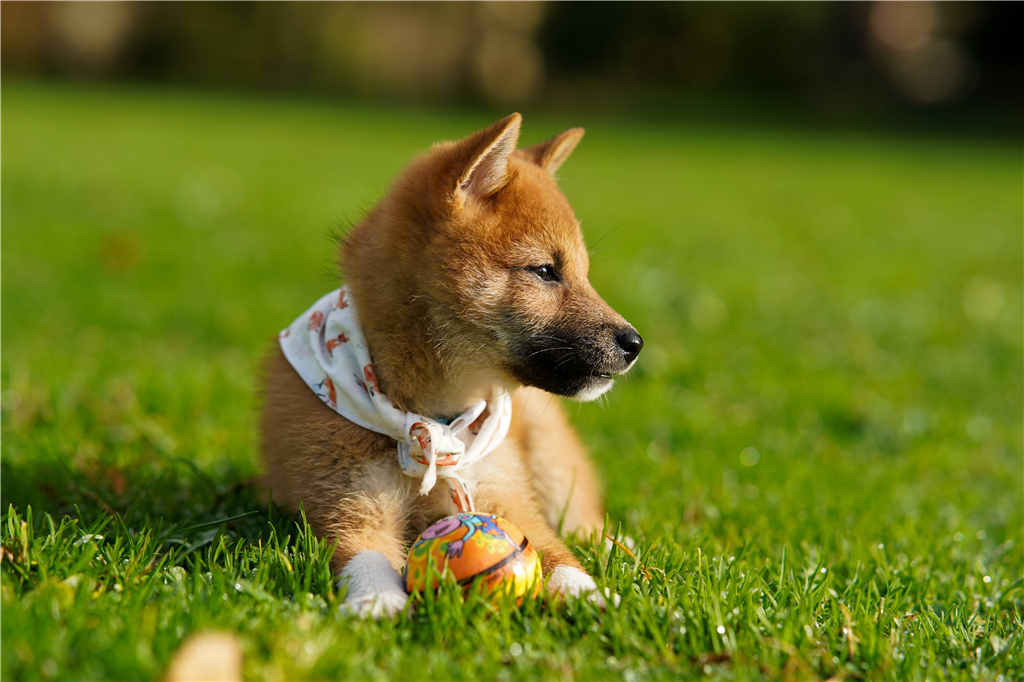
[550,155]
[485,168]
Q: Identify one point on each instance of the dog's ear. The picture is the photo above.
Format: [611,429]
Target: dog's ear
[550,155]
[484,167]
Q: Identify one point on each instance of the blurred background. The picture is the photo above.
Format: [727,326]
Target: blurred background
[890,63]
[811,212]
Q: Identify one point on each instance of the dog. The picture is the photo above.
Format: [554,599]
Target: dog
[466,310]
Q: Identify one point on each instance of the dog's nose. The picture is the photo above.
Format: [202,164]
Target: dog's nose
[630,343]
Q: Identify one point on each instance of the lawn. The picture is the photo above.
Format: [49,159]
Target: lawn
[819,453]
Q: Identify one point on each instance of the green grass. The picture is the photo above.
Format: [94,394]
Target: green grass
[820,453]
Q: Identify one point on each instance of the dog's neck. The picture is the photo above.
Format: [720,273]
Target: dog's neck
[403,349]
[395,316]
[409,371]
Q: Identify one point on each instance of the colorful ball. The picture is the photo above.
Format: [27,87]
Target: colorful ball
[474,547]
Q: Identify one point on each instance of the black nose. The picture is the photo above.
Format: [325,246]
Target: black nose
[630,343]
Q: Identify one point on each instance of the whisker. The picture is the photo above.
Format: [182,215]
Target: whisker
[601,238]
[546,350]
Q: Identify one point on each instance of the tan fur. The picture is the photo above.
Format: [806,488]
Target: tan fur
[439,272]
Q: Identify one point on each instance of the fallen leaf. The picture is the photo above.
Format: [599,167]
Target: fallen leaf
[207,657]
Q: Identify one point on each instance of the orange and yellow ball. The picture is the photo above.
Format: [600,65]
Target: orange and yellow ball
[474,547]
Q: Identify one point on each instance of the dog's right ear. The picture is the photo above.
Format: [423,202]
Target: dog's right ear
[482,160]
[550,155]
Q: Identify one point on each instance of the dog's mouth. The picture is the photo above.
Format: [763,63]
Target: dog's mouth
[598,386]
[582,369]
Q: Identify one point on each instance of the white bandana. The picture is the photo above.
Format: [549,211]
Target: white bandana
[326,347]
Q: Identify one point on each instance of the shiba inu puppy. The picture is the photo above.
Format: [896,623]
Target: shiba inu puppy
[425,385]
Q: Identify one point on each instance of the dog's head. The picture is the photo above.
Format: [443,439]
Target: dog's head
[499,267]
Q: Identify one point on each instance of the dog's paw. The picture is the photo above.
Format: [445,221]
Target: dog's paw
[376,606]
[566,581]
[375,589]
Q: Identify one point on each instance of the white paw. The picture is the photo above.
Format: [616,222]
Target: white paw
[376,606]
[566,581]
[375,589]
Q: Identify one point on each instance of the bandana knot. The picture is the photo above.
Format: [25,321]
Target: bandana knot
[327,348]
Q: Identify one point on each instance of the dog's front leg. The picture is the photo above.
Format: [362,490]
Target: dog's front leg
[565,575]
[375,588]
[504,489]
[369,526]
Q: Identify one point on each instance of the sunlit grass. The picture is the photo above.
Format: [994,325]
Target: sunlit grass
[819,453]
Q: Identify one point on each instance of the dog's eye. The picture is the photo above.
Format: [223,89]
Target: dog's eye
[545,272]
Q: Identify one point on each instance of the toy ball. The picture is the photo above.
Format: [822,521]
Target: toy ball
[474,547]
